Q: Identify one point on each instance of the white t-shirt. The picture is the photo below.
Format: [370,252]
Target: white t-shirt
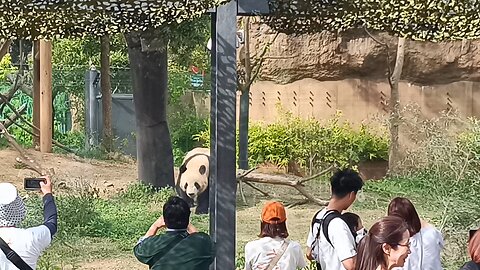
[426,247]
[259,253]
[27,243]
[344,247]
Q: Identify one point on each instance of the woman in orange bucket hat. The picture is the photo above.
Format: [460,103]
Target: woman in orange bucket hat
[273,250]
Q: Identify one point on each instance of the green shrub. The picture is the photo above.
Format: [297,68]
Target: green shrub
[311,143]
[184,125]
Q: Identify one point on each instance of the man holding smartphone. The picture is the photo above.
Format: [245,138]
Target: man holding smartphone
[24,246]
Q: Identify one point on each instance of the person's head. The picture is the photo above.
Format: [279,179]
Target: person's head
[12,208]
[474,247]
[345,185]
[176,213]
[273,222]
[386,245]
[404,208]
[355,224]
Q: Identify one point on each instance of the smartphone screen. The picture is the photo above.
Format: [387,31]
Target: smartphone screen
[471,233]
[32,183]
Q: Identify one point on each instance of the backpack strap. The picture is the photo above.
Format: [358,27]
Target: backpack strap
[319,221]
[323,224]
[329,216]
[13,257]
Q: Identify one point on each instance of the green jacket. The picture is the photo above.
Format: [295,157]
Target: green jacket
[176,251]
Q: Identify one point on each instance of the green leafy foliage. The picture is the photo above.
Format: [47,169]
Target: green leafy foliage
[311,143]
[184,125]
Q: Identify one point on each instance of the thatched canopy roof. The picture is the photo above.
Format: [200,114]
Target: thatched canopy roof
[415,19]
[32,19]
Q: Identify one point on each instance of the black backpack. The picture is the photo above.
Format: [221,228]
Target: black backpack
[323,224]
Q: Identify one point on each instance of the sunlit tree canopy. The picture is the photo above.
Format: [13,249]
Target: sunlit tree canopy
[32,19]
[433,20]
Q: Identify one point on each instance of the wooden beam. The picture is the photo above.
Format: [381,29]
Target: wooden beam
[36,89]
[46,118]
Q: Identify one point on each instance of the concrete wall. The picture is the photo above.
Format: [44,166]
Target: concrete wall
[359,100]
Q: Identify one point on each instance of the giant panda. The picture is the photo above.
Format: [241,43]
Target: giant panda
[193,179]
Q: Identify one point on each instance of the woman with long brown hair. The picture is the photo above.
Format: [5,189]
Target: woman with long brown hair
[386,245]
[426,241]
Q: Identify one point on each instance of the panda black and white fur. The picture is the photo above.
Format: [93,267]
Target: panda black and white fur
[193,179]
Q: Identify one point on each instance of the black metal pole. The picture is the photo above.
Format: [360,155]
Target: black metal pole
[223,183]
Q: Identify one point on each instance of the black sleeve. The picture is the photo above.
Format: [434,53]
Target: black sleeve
[50,213]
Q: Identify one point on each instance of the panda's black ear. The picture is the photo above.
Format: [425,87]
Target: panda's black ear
[202,170]
[182,168]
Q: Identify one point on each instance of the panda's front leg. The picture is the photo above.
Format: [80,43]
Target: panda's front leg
[203,203]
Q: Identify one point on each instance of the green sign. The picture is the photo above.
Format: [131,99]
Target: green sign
[197,80]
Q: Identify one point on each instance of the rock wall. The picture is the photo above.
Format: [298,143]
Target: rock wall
[328,57]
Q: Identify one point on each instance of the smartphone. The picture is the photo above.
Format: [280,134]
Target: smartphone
[471,234]
[32,183]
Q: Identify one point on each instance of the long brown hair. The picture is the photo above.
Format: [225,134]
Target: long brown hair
[404,208]
[388,230]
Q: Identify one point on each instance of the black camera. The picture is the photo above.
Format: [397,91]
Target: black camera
[33,183]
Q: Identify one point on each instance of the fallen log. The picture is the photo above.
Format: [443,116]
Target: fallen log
[296,182]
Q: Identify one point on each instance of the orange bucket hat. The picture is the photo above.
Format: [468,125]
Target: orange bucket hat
[274,213]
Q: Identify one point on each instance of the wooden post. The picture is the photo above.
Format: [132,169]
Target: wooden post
[36,90]
[46,131]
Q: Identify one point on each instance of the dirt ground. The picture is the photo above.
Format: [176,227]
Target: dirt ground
[70,170]
[111,177]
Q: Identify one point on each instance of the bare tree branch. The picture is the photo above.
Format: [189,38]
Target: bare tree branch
[317,175]
[387,49]
[4,48]
[36,130]
[24,158]
[14,116]
[283,180]
[259,63]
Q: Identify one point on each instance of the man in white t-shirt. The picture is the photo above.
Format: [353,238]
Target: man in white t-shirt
[259,254]
[340,252]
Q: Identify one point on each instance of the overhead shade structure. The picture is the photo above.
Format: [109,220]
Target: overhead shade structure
[37,19]
[433,20]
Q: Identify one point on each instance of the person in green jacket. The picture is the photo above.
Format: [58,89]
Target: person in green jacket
[180,247]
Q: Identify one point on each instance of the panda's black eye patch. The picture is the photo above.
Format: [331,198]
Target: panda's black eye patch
[197,185]
[202,169]
[186,185]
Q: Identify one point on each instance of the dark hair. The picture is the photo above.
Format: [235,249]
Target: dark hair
[176,213]
[273,230]
[388,230]
[344,182]
[404,208]
[352,221]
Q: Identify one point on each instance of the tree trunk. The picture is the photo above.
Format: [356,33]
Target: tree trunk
[148,62]
[36,89]
[394,154]
[107,138]
[245,103]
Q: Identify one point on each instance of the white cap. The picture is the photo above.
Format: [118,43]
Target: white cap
[8,193]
